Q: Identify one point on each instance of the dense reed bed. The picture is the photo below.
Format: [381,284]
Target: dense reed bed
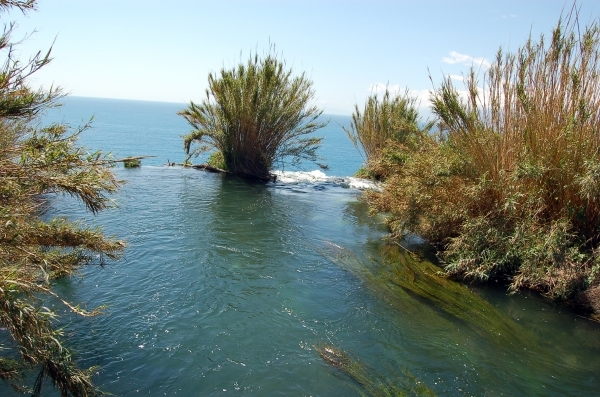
[509,186]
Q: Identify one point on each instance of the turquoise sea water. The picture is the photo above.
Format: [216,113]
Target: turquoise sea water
[224,288]
[139,128]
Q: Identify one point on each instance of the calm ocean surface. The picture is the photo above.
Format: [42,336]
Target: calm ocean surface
[137,128]
[224,288]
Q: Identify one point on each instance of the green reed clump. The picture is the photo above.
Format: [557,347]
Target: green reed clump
[511,184]
[392,121]
[255,114]
[369,381]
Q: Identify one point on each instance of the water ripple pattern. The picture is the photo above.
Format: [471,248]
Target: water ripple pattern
[224,290]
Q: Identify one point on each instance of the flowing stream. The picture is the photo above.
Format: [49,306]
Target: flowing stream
[230,287]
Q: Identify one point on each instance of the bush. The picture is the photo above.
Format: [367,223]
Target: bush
[132,163]
[255,115]
[217,160]
[389,122]
[510,186]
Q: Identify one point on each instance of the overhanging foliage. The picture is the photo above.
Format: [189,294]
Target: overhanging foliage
[36,162]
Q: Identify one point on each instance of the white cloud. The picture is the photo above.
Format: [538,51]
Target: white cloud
[422,97]
[456,57]
[456,77]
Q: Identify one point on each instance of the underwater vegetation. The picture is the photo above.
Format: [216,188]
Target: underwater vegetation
[399,277]
[446,312]
[367,380]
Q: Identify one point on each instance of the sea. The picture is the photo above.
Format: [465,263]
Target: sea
[228,287]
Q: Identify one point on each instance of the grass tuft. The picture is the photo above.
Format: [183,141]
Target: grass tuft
[255,115]
[392,121]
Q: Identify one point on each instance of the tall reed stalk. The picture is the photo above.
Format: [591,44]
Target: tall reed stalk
[387,122]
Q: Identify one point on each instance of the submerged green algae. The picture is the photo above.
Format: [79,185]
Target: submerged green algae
[434,306]
[401,277]
[368,381]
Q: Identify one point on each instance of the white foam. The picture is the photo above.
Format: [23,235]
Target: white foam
[300,176]
[317,176]
[363,184]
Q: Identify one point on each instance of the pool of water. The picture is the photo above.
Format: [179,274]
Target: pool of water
[224,289]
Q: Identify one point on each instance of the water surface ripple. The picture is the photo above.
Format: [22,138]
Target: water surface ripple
[224,288]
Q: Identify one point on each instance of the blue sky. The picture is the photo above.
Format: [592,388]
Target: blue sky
[164,50]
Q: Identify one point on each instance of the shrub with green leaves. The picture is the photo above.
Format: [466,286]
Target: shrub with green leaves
[255,115]
[217,160]
[132,163]
[510,184]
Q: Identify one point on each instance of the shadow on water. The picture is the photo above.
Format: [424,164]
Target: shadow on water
[245,209]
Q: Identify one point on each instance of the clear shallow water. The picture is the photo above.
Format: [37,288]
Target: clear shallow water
[224,289]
